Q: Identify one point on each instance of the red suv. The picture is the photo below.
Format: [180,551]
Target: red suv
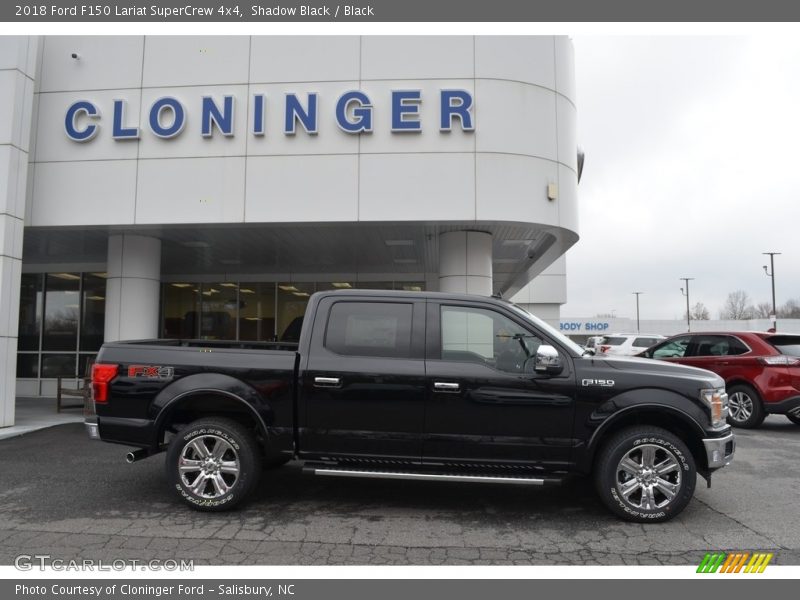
[761,370]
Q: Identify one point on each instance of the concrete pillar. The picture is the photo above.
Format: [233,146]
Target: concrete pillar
[465,262]
[133,287]
[17,74]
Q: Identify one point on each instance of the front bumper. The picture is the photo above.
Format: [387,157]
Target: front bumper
[719,451]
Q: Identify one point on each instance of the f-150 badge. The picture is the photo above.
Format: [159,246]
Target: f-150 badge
[597,382]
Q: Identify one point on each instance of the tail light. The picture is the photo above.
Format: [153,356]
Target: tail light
[604,349]
[102,375]
[780,360]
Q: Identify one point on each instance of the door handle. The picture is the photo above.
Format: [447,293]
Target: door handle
[441,386]
[327,382]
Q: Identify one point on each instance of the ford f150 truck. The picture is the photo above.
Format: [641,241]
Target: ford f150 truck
[414,385]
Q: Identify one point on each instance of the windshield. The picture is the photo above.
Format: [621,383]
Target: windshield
[549,330]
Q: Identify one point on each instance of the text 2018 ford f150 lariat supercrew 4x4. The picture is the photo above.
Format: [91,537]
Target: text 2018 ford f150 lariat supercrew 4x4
[414,385]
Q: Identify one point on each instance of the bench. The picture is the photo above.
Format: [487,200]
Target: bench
[82,391]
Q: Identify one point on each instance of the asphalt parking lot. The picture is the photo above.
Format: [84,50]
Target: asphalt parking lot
[71,498]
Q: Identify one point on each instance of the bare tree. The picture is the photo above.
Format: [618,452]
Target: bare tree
[762,310]
[790,310]
[737,306]
[699,312]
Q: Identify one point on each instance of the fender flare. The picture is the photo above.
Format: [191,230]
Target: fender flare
[696,429]
[172,396]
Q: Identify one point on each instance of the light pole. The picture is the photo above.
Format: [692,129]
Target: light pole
[637,310]
[771,275]
[688,314]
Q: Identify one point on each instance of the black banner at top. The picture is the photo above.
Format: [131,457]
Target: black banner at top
[377,11]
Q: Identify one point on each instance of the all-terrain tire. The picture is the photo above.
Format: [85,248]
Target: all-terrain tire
[213,464]
[645,474]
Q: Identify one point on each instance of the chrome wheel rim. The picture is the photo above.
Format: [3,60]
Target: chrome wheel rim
[648,477]
[209,466]
[740,406]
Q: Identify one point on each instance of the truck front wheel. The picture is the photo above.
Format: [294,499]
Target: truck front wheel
[213,464]
[645,474]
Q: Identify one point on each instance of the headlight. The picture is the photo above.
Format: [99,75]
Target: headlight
[717,401]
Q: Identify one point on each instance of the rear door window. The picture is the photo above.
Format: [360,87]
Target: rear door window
[710,345]
[614,341]
[645,342]
[786,344]
[370,329]
[736,347]
[718,345]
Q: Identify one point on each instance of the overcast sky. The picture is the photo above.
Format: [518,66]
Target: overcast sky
[691,170]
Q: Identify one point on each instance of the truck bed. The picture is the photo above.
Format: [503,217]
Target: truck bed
[153,373]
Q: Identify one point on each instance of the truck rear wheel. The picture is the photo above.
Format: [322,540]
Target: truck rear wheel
[213,464]
[645,474]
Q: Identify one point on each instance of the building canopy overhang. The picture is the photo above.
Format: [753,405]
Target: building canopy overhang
[407,250]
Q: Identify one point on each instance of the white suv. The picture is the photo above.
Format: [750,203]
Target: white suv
[627,344]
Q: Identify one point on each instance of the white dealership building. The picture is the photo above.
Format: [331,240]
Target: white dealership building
[204,187]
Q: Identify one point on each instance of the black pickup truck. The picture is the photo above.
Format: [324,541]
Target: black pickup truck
[414,385]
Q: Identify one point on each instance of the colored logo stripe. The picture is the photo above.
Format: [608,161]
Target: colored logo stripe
[758,563]
[711,562]
[734,562]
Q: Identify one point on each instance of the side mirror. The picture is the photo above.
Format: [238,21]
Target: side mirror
[547,361]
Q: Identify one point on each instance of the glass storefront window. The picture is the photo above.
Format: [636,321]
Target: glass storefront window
[410,286]
[58,365]
[374,285]
[93,315]
[181,310]
[292,301]
[67,303]
[219,306]
[30,312]
[257,311]
[28,365]
[85,362]
[61,309]
[62,315]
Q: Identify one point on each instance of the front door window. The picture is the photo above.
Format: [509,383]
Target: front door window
[487,337]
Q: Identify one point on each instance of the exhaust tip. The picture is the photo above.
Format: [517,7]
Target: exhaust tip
[136,455]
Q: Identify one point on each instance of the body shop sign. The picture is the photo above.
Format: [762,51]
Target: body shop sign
[582,327]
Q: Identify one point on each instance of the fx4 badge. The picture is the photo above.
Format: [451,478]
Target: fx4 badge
[597,382]
[151,372]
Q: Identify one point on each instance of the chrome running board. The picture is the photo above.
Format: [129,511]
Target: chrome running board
[339,472]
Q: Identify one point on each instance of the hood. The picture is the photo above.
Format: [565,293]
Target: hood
[660,369]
